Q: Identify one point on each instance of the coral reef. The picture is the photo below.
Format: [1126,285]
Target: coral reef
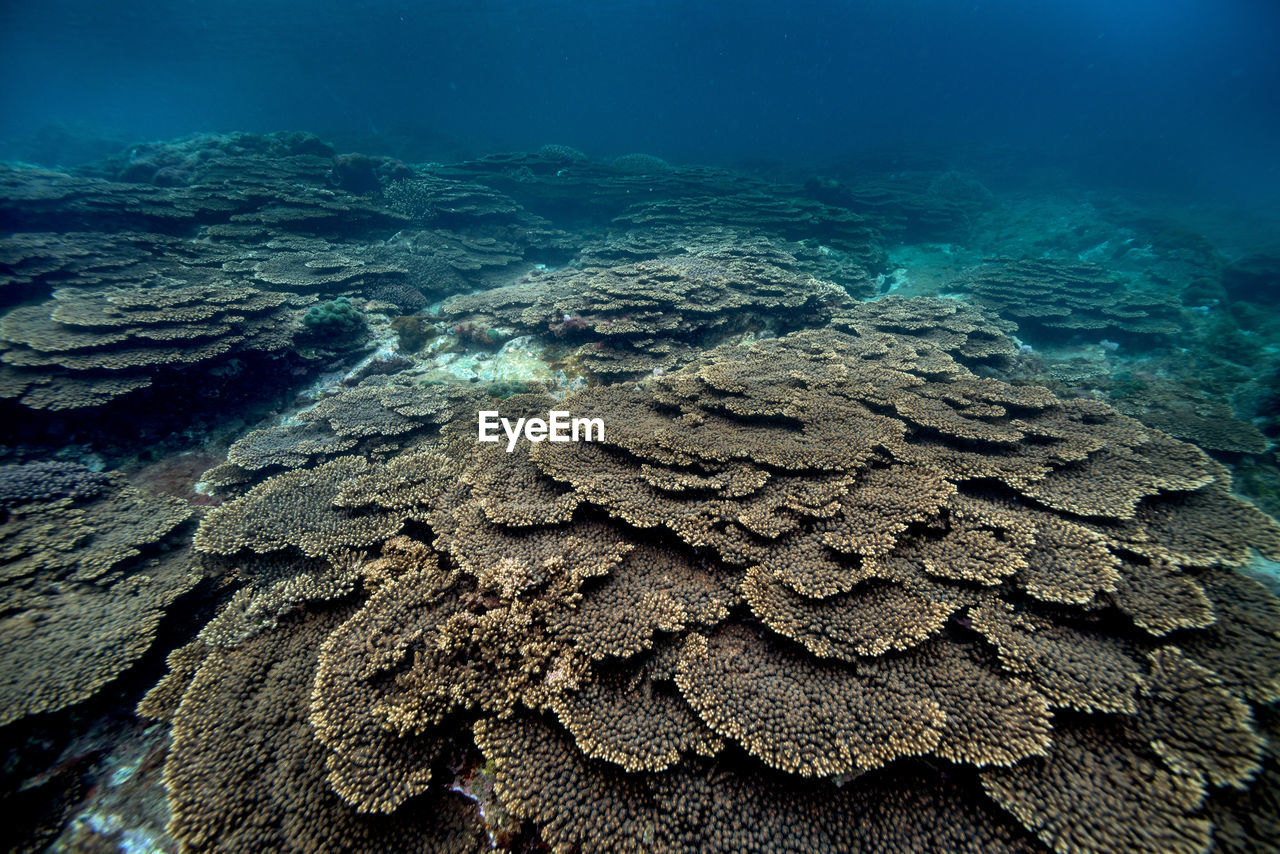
[563,153]
[246,181]
[676,199]
[810,257]
[84,348]
[640,164]
[216,776]
[336,322]
[1047,298]
[176,265]
[969,335]
[795,582]
[428,200]
[376,419]
[412,330]
[837,576]
[43,481]
[766,212]
[327,272]
[910,205]
[1193,417]
[629,319]
[89,565]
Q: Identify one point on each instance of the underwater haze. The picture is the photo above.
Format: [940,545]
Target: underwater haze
[1164,93]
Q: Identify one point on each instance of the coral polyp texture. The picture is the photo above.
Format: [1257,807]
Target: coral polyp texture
[831,591]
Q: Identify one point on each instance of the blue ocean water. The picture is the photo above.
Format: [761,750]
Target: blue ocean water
[1163,93]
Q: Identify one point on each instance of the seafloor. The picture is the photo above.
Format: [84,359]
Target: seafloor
[929,514]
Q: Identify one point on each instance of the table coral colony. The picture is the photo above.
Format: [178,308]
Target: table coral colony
[834,591]
[836,575]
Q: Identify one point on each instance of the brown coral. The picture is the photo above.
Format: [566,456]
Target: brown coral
[919,204]
[242,746]
[1097,792]
[84,347]
[870,620]
[352,725]
[582,804]
[85,585]
[1075,668]
[1160,598]
[630,319]
[330,272]
[378,407]
[635,717]
[791,581]
[296,510]
[1190,415]
[1044,296]
[802,716]
[1195,724]
[287,446]
[968,334]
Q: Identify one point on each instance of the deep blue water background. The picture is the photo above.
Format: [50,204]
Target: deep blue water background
[1169,94]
